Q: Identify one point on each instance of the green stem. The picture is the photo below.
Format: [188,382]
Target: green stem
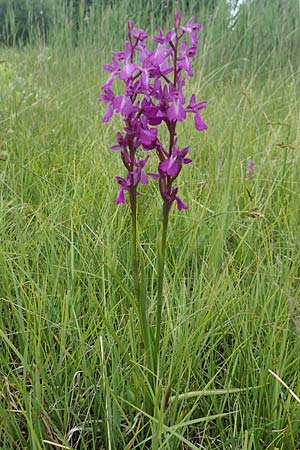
[141,299]
[134,260]
[160,280]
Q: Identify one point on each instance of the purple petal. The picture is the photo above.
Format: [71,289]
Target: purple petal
[148,136]
[192,103]
[177,19]
[127,70]
[124,105]
[143,179]
[184,63]
[159,37]
[110,81]
[120,198]
[141,164]
[176,111]
[170,167]
[182,153]
[109,112]
[180,204]
[120,180]
[159,55]
[199,122]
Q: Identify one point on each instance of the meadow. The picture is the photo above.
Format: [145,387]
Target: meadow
[71,363]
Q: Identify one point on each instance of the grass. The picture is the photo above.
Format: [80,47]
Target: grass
[231,309]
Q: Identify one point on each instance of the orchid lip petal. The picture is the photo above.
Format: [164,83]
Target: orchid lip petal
[199,122]
[120,198]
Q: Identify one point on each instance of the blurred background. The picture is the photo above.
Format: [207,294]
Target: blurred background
[256,30]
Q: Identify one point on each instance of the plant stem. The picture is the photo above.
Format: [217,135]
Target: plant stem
[134,260]
[160,280]
[141,301]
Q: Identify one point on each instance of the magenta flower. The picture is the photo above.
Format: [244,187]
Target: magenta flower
[114,69]
[153,95]
[161,39]
[124,105]
[184,59]
[177,20]
[108,97]
[135,33]
[125,185]
[172,197]
[191,29]
[195,108]
[148,137]
[172,165]
[139,174]
[176,111]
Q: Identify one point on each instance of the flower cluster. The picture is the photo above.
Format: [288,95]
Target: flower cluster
[153,94]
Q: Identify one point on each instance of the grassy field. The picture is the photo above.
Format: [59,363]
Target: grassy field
[232,289]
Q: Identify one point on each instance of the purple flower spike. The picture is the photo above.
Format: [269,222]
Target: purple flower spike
[152,97]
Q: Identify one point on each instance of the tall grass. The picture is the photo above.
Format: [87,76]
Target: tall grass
[232,279]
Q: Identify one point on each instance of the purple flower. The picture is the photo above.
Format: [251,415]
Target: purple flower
[184,59]
[127,70]
[123,104]
[194,107]
[108,97]
[174,197]
[176,111]
[135,32]
[114,69]
[159,55]
[139,173]
[172,165]
[148,137]
[177,19]
[191,28]
[153,94]
[161,39]
[121,142]
[125,185]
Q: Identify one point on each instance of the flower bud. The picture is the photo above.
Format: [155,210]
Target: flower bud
[130,28]
[177,19]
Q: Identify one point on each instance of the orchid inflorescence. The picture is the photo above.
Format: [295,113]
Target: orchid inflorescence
[153,94]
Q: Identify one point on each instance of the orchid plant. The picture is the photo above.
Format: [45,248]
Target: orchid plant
[153,96]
